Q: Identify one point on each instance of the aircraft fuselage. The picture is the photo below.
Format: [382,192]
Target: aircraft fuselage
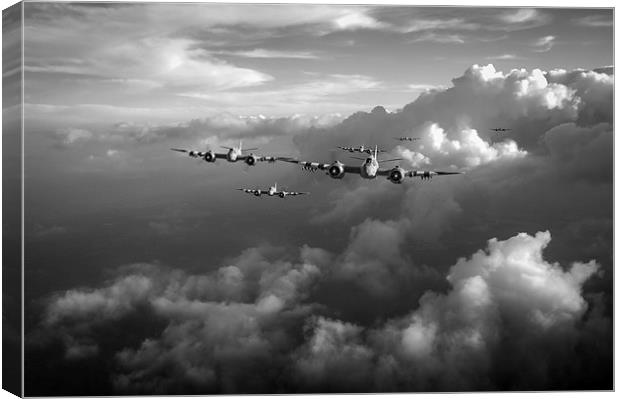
[369,168]
[233,154]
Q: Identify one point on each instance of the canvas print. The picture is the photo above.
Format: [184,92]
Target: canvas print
[310,198]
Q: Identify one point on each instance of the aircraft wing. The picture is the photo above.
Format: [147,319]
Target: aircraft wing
[191,153]
[352,169]
[253,191]
[267,158]
[306,165]
[429,173]
[198,154]
[294,193]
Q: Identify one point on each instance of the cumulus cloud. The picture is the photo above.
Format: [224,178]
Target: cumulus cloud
[502,300]
[464,149]
[543,108]
[213,321]
[218,330]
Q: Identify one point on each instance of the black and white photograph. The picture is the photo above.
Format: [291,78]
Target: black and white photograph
[227,198]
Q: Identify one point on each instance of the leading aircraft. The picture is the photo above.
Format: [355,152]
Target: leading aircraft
[406,138]
[500,129]
[369,169]
[273,190]
[233,154]
[361,149]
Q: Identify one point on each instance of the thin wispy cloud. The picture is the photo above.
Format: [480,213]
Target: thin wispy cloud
[525,18]
[439,38]
[544,44]
[595,21]
[502,57]
[265,53]
[423,87]
[320,87]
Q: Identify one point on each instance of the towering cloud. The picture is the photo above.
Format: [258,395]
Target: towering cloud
[506,306]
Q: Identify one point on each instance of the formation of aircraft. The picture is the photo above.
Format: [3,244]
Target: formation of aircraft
[500,129]
[273,191]
[369,169]
[360,149]
[233,154]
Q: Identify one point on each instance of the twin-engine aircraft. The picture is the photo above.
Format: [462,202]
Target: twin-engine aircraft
[233,154]
[361,149]
[406,138]
[500,129]
[273,190]
[369,169]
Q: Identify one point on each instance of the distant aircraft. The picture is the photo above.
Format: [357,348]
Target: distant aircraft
[361,149]
[500,129]
[273,190]
[368,170]
[406,138]
[233,154]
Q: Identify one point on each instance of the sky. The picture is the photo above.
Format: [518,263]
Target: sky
[148,273]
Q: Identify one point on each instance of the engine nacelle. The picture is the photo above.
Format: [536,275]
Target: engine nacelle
[282,194]
[309,168]
[424,175]
[257,193]
[209,156]
[396,175]
[336,170]
[250,160]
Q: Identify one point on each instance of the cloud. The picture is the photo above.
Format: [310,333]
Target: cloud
[421,24]
[218,329]
[544,44]
[357,20]
[323,89]
[439,38]
[526,17]
[502,57]
[72,136]
[211,321]
[224,126]
[175,63]
[459,340]
[423,87]
[265,53]
[464,149]
[595,21]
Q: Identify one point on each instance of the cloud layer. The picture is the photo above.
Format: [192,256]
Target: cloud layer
[219,330]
